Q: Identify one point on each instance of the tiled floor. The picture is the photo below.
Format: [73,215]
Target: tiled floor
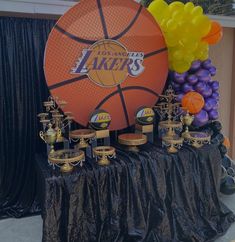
[30,229]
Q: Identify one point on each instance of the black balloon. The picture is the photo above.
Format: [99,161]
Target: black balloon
[226,162]
[227,185]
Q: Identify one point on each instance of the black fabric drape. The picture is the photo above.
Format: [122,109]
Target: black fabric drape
[149,196]
[22,90]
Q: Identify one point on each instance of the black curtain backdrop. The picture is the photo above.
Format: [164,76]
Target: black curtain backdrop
[22,91]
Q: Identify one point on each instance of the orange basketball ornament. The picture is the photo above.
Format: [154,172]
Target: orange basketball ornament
[106,54]
[193,102]
[215,34]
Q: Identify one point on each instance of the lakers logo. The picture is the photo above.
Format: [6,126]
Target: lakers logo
[145,115]
[108,63]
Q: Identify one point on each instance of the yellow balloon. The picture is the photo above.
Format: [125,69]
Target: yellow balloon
[177,54]
[166,14]
[181,66]
[176,5]
[157,7]
[170,40]
[189,43]
[171,25]
[197,11]
[189,57]
[204,56]
[177,15]
[202,24]
[188,7]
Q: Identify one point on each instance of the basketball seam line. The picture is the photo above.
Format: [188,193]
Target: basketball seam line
[155,52]
[129,26]
[73,37]
[66,82]
[123,104]
[106,36]
[102,20]
[126,89]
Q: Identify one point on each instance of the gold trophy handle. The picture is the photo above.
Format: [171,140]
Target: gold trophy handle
[41,134]
[58,132]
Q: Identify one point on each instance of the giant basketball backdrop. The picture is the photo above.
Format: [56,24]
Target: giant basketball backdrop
[106,54]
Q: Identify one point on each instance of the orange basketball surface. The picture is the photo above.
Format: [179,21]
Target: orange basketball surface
[106,54]
[193,102]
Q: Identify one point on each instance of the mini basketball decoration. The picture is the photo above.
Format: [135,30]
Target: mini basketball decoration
[215,34]
[106,54]
[193,102]
[100,119]
[145,115]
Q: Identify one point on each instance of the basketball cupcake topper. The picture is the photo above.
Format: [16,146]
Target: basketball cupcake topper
[106,54]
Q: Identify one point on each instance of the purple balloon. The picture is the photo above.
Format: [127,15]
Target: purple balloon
[192,79]
[187,88]
[207,92]
[210,103]
[203,75]
[215,95]
[212,70]
[207,64]
[179,97]
[176,86]
[201,118]
[200,86]
[215,86]
[213,115]
[180,78]
[195,66]
[216,106]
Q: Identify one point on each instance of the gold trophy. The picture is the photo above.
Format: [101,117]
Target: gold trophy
[195,139]
[103,154]
[54,116]
[186,120]
[50,137]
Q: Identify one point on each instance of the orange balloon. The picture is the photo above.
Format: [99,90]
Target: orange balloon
[215,34]
[193,102]
[226,142]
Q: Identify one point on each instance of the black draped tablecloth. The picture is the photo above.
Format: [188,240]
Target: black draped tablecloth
[151,196]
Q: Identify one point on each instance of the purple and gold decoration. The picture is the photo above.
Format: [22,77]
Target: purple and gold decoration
[200,78]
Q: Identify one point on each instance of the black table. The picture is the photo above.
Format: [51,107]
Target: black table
[151,196]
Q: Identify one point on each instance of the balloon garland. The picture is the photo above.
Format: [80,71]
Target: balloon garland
[199,80]
[187,31]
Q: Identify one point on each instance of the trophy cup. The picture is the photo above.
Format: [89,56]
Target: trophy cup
[50,137]
[55,118]
[103,154]
[195,139]
[186,120]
